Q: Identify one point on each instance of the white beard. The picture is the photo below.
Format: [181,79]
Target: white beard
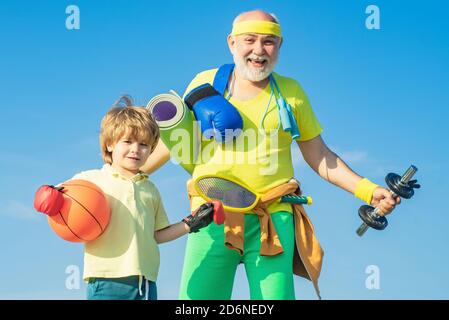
[252,74]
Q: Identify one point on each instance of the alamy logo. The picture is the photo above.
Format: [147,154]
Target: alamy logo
[373,280]
[72,282]
[72,22]
[250,146]
[372,22]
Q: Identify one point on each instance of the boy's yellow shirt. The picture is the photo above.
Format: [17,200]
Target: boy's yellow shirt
[127,247]
[267,163]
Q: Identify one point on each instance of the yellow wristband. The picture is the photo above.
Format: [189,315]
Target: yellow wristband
[364,190]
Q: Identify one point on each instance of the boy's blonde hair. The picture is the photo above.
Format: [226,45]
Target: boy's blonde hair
[125,119]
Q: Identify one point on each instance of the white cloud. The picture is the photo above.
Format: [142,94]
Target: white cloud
[354,156]
[351,156]
[19,210]
[357,158]
[377,167]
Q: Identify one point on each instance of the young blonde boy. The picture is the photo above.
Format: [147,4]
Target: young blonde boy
[123,262]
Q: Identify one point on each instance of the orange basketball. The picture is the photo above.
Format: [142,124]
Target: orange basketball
[85,213]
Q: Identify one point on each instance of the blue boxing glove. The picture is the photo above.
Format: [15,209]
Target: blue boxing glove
[218,118]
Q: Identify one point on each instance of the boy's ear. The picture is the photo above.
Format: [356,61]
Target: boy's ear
[110,148]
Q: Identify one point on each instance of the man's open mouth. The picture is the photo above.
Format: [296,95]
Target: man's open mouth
[257,63]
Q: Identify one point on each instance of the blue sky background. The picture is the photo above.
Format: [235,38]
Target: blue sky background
[381,96]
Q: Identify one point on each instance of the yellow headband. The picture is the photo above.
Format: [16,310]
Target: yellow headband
[256,26]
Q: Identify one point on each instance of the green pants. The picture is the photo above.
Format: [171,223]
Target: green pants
[209,266]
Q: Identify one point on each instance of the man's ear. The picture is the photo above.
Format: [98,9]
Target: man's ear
[280,43]
[231,43]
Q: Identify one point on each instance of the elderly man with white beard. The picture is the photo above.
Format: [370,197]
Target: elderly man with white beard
[275,239]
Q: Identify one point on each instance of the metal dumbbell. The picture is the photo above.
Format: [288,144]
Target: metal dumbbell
[399,187]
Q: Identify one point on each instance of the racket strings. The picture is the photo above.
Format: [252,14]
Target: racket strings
[229,193]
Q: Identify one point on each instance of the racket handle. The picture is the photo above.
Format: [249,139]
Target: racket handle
[297,199]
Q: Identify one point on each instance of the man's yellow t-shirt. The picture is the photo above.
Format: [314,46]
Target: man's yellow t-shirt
[260,156]
[127,247]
